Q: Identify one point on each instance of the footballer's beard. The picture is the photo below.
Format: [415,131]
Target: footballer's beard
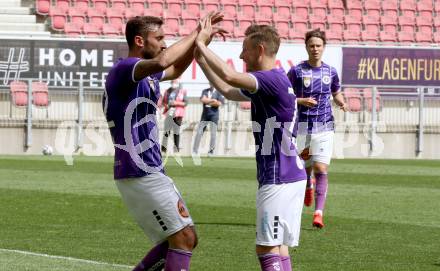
[147,54]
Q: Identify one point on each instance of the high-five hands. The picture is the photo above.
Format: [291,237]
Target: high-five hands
[206,29]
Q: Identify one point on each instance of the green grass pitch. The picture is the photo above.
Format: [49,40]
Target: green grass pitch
[380,215]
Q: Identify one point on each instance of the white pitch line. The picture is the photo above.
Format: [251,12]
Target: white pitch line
[63,258]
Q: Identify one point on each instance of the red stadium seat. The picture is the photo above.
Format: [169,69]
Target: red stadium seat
[153,12]
[301,8]
[96,16]
[62,5]
[192,11]
[407,23]
[436,37]
[228,25]
[389,23]
[335,23]
[175,9]
[316,21]
[114,16]
[130,13]
[370,36]
[265,2]
[408,8]
[228,2]
[184,30]
[72,29]
[318,8]
[424,37]
[390,8]
[43,7]
[265,10]
[436,22]
[261,19]
[424,8]
[387,37]
[354,8]
[58,18]
[77,16]
[110,30]
[437,9]
[372,24]
[245,17]
[242,26]
[119,4]
[246,2]
[248,10]
[100,5]
[172,24]
[40,94]
[230,11]
[372,7]
[137,4]
[170,32]
[191,23]
[336,8]
[208,7]
[156,5]
[368,96]
[296,35]
[334,36]
[424,24]
[299,24]
[405,37]
[283,29]
[351,36]
[82,6]
[19,93]
[353,98]
[238,33]
[283,3]
[283,12]
[353,23]
[92,30]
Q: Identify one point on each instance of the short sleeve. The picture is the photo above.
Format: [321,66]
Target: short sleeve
[292,78]
[204,93]
[158,75]
[125,69]
[335,81]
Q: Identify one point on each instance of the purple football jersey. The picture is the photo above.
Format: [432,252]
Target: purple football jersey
[273,115]
[318,83]
[130,109]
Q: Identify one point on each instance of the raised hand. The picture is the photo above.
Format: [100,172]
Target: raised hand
[206,29]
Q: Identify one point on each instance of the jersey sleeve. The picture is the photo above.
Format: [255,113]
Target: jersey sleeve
[158,75]
[247,93]
[336,85]
[125,69]
[293,79]
[204,93]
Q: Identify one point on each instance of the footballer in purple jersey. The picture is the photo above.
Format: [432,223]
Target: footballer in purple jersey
[314,83]
[130,104]
[280,172]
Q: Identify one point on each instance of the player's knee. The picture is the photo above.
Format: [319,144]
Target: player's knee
[185,239]
[320,168]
